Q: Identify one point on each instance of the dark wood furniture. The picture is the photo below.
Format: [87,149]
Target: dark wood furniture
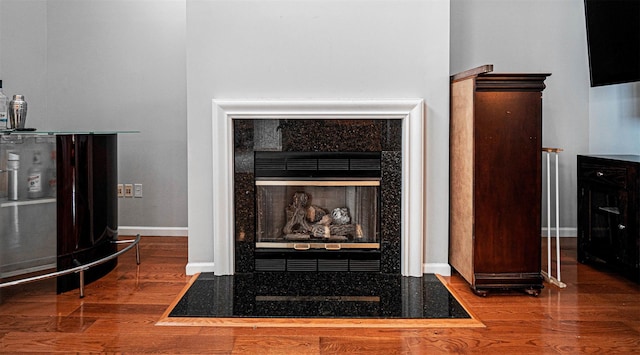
[87,204]
[495,179]
[609,212]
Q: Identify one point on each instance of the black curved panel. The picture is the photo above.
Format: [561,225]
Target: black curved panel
[87,204]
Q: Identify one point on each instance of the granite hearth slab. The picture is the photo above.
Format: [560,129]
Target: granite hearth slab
[318,300]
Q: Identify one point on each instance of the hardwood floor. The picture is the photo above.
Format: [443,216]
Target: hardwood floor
[598,313]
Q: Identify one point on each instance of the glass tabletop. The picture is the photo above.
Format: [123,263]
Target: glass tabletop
[62,132]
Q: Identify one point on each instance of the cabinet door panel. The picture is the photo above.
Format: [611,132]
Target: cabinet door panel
[507,181]
[28,224]
[608,212]
[607,224]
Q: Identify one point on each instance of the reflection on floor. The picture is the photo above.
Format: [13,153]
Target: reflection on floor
[319,295]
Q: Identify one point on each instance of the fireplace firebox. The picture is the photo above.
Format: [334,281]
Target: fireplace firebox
[317,211]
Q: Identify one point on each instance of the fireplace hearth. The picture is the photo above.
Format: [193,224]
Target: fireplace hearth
[243,299]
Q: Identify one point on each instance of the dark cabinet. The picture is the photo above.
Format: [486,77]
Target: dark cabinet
[609,212]
[495,179]
[87,204]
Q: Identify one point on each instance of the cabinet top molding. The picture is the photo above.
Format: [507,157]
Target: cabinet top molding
[486,80]
[622,157]
[483,69]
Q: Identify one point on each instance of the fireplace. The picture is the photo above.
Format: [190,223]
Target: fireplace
[240,128]
[317,211]
[318,195]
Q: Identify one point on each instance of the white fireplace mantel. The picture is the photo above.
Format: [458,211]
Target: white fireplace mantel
[412,113]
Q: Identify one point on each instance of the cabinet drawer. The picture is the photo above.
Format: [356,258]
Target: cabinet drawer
[610,175]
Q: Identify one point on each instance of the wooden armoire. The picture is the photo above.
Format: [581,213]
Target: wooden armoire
[495,179]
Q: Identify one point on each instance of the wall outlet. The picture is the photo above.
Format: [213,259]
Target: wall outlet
[128,190]
[137,190]
[120,190]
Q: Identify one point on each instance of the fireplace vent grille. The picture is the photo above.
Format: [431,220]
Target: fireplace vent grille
[333,264]
[317,264]
[365,164]
[271,164]
[271,265]
[333,164]
[302,164]
[317,164]
[301,265]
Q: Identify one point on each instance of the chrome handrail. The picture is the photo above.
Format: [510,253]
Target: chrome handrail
[82,268]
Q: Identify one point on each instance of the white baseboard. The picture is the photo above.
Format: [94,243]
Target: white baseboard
[194,268]
[184,231]
[154,231]
[443,269]
[564,232]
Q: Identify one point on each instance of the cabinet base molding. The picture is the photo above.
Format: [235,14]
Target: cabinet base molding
[531,283]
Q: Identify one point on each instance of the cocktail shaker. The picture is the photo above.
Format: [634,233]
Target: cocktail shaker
[17,112]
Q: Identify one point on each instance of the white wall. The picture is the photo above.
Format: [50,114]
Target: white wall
[317,49]
[109,65]
[23,55]
[535,36]
[154,66]
[550,36]
[614,125]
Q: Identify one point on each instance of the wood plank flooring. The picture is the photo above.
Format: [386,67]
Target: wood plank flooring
[598,313]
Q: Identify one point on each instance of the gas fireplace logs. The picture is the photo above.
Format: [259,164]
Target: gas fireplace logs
[296,215]
[306,222]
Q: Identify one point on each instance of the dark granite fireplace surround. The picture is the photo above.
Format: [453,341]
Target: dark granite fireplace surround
[321,135]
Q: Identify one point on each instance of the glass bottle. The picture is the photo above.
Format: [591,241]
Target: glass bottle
[4,102]
[34,177]
[13,164]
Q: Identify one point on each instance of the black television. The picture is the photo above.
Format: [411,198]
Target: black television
[613,38]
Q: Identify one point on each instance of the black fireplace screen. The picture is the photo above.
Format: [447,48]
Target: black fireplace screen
[317,214]
[317,201]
